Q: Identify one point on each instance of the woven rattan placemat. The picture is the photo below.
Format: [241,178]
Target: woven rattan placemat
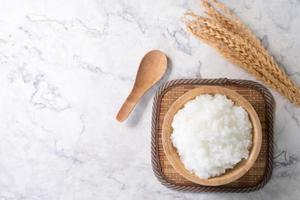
[262,101]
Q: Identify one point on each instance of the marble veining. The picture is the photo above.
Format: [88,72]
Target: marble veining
[66,67]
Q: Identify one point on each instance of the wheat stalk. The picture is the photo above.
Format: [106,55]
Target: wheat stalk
[225,32]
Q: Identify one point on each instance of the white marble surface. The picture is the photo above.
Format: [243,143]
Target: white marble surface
[65,68]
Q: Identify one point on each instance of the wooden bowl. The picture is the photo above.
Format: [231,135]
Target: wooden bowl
[230,175]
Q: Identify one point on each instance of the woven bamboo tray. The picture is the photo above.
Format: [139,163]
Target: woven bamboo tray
[262,101]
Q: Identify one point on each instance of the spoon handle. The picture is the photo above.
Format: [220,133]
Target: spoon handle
[128,105]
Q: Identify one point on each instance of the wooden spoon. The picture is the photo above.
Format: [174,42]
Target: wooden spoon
[151,69]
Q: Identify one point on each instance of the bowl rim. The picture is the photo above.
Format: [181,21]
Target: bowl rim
[239,169]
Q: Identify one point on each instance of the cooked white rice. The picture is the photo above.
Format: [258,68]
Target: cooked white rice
[211,135]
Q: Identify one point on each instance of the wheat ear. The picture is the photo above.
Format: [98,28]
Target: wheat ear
[225,32]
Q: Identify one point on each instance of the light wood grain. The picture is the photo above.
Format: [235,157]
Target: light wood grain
[151,69]
[230,175]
